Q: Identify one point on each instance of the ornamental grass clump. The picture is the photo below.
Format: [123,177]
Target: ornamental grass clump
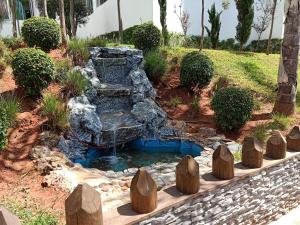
[155,66]
[75,83]
[233,107]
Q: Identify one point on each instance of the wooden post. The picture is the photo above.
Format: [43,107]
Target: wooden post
[83,206]
[252,153]
[223,163]
[187,175]
[7,218]
[143,192]
[276,146]
[293,139]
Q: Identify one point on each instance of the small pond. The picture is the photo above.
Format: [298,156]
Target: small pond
[140,153]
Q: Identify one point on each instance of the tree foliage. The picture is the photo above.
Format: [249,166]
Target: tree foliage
[245,17]
[163,20]
[214,31]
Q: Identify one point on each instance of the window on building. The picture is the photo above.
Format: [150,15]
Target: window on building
[100,2]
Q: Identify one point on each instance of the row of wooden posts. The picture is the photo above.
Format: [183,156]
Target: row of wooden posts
[83,206]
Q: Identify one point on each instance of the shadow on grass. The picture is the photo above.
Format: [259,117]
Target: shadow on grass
[256,74]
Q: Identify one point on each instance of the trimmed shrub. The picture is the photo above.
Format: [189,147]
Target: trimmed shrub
[56,112]
[75,83]
[42,32]
[61,68]
[78,49]
[196,68]
[13,42]
[33,70]
[128,35]
[146,37]
[233,107]
[155,66]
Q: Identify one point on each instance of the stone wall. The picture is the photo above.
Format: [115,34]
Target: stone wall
[256,199]
[254,196]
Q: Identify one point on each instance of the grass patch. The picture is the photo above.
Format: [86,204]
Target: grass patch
[237,156]
[174,102]
[30,215]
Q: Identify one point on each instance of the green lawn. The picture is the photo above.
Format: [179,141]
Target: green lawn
[255,71]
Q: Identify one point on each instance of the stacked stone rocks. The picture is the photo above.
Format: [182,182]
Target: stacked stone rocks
[117,107]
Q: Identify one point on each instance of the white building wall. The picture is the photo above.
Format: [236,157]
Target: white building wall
[105,18]
[229,19]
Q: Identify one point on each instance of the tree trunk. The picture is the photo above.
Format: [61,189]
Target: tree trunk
[288,67]
[73,32]
[120,22]
[62,23]
[272,25]
[257,43]
[45,8]
[202,25]
[14,17]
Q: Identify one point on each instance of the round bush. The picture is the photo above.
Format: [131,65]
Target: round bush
[233,107]
[155,66]
[33,70]
[41,32]
[146,37]
[196,68]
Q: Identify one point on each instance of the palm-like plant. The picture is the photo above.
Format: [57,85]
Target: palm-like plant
[214,31]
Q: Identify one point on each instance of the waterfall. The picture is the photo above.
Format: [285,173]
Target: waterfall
[114,140]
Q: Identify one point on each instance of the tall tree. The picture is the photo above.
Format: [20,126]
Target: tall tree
[272,25]
[163,20]
[45,8]
[202,26]
[62,23]
[184,18]
[120,22]
[14,17]
[214,31]
[72,19]
[288,66]
[245,17]
[264,9]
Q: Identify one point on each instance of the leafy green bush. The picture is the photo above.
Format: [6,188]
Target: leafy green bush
[13,42]
[56,112]
[3,49]
[78,49]
[42,32]
[233,107]
[128,35]
[61,68]
[146,37]
[2,67]
[96,42]
[33,70]
[155,66]
[75,83]
[228,44]
[196,68]
[9,107]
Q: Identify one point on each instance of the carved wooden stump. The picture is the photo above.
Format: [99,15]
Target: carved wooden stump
[293,139]
[143,192]
[7,218]
[223,163]
[252,153]
[83,206]
[276,146]
[187,175]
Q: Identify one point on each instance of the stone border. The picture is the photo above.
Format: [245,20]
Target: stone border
[170,198]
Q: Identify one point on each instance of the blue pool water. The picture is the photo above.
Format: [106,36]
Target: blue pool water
[140,153]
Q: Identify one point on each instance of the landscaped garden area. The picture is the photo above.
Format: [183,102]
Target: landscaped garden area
[148,122]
